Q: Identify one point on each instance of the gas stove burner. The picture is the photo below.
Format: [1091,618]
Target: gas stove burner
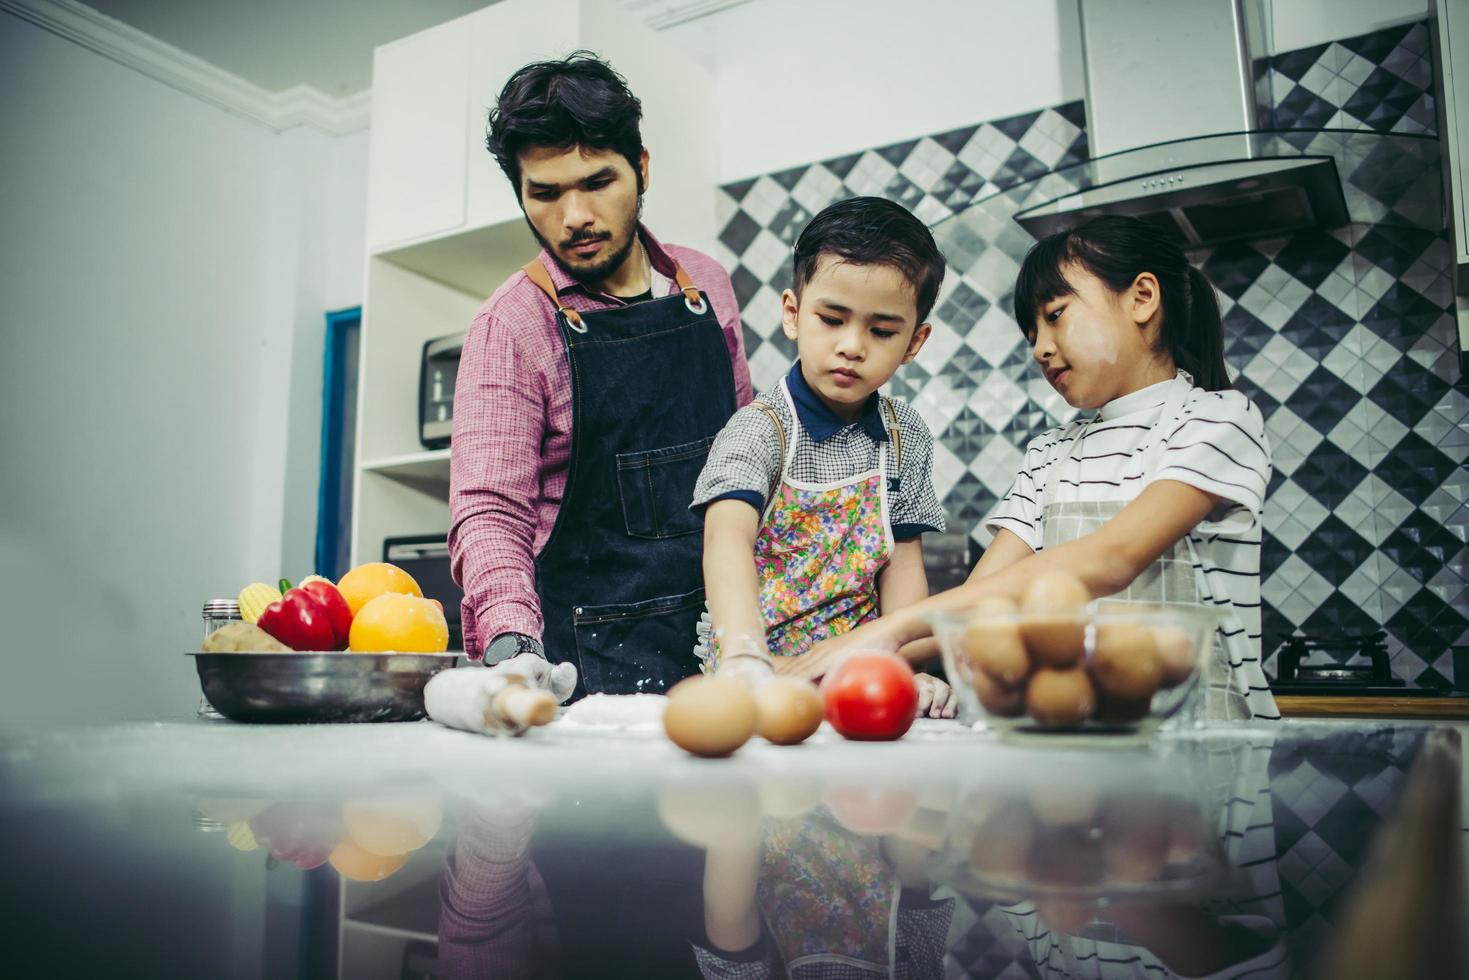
[1331,674]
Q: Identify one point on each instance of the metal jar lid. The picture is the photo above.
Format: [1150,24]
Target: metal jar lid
[222,609]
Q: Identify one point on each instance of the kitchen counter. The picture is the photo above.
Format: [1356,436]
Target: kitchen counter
[1349,706]
[197,849]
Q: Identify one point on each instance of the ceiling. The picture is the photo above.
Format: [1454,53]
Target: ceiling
[278,44]
[327,44]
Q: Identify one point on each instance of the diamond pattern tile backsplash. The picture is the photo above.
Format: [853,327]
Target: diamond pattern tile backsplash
[1345,339]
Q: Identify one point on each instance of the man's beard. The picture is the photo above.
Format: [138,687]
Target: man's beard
[592,276]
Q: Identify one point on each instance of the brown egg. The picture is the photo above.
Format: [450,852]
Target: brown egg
[1120,711]
[1060,697]
[706,815]
[1052,626]
[1176,654]
[1124,661]
[1002,843]
[787,710]
[994,647]
[709,716]
[1007,702]
[1063,802]
[1065,857]
[1135,841]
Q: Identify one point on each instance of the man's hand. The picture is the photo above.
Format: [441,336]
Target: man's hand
[559,679]
[935,698]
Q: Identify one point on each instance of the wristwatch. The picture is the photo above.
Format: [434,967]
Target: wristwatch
[508,645]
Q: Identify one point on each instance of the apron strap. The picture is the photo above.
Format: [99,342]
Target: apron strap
[780,431]
[536,271]
[895,432]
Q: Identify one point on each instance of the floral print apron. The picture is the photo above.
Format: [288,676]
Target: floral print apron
[821,546]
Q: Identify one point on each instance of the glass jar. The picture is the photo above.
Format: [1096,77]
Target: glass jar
[217,612]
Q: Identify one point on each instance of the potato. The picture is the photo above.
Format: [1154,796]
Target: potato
[242,638]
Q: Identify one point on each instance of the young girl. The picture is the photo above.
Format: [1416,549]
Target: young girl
[1155,493]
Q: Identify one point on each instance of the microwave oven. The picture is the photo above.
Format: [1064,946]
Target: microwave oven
[437,374]
[426,558]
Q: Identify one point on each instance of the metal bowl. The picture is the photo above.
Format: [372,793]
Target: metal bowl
[297,687]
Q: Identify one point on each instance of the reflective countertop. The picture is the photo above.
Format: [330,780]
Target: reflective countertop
[214,849]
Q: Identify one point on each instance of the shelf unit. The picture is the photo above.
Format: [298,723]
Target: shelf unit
[380,921]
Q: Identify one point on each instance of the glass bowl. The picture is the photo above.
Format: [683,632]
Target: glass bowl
[1108,667]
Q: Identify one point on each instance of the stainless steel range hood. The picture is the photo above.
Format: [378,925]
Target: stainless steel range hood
[1162,73]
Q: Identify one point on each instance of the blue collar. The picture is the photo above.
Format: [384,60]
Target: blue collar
[820,422]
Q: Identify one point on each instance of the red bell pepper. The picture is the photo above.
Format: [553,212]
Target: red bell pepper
[298,620]
[338,613]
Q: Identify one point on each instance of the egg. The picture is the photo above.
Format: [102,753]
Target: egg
[788,710]
[1176,654]
[1120,711]
[1060,697]
[709,716]
[1065,858]
[1007,702]
[1063,802]
[708,815]
[1002,843]
[1052,625]
[994,646]
[1135,840]
[1124,661]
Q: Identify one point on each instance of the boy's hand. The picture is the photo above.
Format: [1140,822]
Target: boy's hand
[814,663]
[935,697]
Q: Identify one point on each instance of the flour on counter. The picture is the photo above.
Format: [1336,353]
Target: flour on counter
[618,711]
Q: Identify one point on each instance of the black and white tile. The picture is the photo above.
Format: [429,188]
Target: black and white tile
[1344,338]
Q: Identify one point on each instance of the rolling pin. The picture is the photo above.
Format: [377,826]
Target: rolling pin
[474,699]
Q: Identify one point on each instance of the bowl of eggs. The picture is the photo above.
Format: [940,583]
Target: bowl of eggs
[1057,661]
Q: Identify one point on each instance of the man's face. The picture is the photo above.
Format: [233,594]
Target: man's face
[583,205]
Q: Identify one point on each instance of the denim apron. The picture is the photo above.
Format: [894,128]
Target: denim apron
[619,578]
[1177,576]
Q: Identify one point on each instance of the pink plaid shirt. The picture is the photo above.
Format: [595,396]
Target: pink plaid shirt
[512,433]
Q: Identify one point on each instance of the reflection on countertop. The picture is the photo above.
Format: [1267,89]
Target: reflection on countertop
[410,850]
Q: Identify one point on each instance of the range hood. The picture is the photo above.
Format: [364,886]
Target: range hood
[1163,74]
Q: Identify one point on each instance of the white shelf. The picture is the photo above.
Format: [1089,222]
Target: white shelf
[429,464]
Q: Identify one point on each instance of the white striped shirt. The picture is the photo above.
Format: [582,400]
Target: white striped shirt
[1218,445]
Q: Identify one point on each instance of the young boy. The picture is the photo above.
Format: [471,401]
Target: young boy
[817,494]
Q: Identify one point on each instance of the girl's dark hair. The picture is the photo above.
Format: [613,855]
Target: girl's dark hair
[1117,249]
[576,101]
[873,231]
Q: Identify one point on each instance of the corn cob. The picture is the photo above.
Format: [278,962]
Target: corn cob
[240,837]
[254,598]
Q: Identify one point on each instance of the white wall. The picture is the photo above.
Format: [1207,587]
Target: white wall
[1302,23]
[802,80]
[165,264]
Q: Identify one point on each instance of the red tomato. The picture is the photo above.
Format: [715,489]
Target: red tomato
[871,696]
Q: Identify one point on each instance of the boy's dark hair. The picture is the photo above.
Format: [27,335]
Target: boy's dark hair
[575,101]
[1117,249]
[873,231]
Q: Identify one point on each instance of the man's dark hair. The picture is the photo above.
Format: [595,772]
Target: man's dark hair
[873,231]
[576,101]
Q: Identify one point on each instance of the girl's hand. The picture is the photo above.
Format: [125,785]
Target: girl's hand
[935,697]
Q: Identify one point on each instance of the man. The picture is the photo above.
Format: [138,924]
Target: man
[590,387]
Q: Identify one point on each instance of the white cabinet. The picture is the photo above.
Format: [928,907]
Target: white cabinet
[445,227]
[416,160]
